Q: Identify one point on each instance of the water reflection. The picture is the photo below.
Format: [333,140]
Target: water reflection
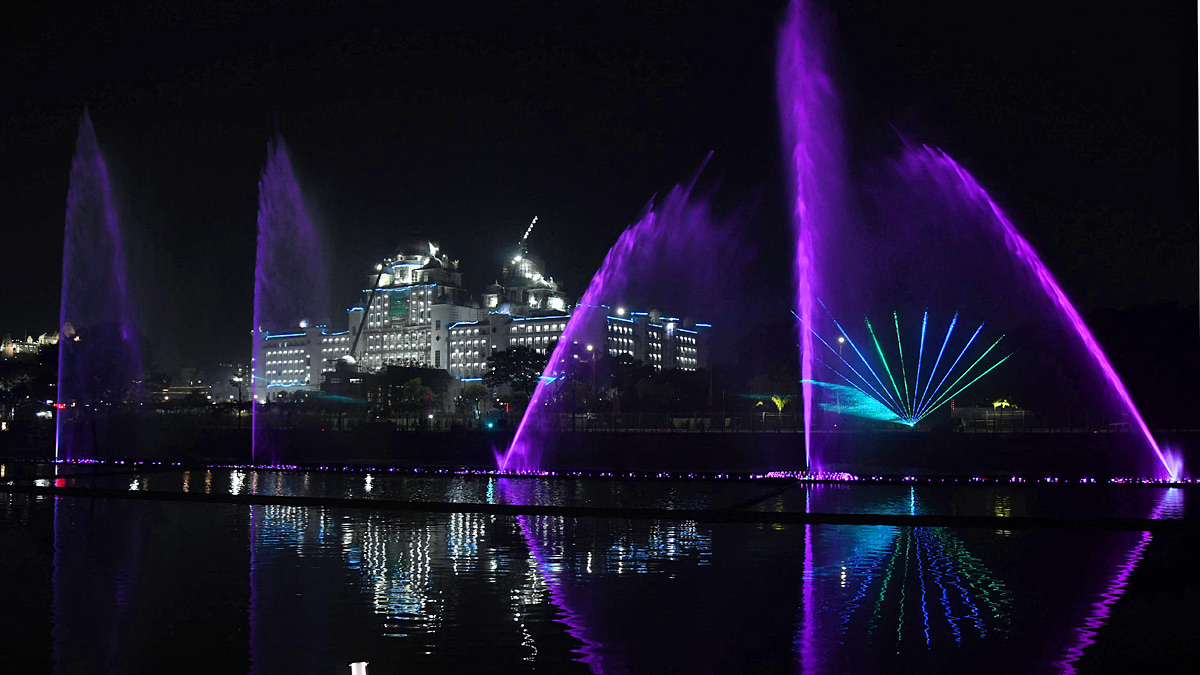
[571,556]
[904,587]
[1170,505]
[302,589]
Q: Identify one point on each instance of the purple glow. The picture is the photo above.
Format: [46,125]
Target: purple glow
[812,144]
[671,235]
[954,179]
[808,628]
[289,274]
[590,650]
[98,354]
[814,477]
[1098,615]
[808,637]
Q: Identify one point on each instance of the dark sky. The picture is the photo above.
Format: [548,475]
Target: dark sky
[410,122]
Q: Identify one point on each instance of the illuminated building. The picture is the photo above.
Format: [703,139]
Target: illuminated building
[416,313]
[413,300]
[10,348]
[661,341]
[294,360]
[523,288]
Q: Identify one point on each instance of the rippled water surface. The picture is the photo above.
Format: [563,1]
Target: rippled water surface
[116,585]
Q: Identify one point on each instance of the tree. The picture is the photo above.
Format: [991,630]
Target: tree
[415,397]
[518,367]
[515,405]
[656,395]
[474,395]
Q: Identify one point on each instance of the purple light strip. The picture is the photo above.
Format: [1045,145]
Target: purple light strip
[808,639]
[808,630]
[809,477]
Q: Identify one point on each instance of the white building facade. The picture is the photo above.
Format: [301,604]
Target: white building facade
[663,342]
[416,313]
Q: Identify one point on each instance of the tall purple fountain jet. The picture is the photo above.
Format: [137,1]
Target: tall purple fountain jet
[812,136]
[98,358]
[289,275]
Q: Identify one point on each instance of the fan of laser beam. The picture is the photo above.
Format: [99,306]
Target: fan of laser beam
[881,397]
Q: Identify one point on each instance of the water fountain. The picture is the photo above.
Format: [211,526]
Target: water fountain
[918,236]
[956,183]
[812,139]
[99,361]
[650,262]
[289,276]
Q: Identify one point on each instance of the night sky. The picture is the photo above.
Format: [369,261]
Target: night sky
[408,123]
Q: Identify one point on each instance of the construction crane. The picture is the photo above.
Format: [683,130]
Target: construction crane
[367,311]
[525,237]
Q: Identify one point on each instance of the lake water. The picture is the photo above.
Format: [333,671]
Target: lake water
[116,585]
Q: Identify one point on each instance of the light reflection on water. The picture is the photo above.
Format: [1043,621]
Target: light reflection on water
[302,589]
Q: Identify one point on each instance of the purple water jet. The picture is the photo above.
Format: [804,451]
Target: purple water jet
[99,361]
[289,275]
[957,183]
[662,246]
[812,136]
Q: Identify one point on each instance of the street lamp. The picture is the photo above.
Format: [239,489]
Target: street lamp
[590,348]
[841,343]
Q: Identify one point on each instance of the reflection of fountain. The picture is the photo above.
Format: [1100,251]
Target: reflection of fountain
[98,357]
[572,576]
[517,491]
[590,649]
[1170,502]
[406,570]
[916,569]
